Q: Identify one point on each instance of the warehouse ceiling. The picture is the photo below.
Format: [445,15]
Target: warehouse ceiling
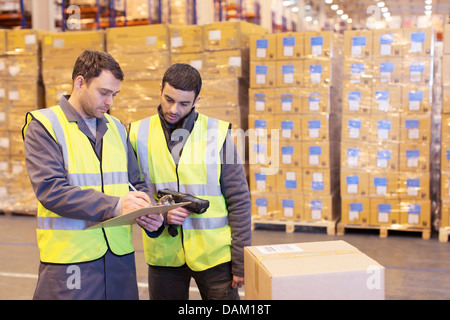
[362,9]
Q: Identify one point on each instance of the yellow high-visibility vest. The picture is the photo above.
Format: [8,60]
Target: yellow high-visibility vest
[204,240]
[61,239]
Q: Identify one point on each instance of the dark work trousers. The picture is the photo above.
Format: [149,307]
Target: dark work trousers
[172,283]
[110,277]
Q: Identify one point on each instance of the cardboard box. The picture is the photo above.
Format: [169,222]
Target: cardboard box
[57,70]
[229,35]
[317,72]
[236,116]
[301,272]
[316,154]
[414,185]
[354,183]
[416,99]
[320,208]
[291,206]
[356,127]
[357,100]
[358,43]
[420,42]
[264,205]
[415,213]
[416,128]
[318,44]
[71,44]
[315,127]
[230,92]
[137,39]
[418,71]
[317,181]
[386,99]
[290,73]
[4,143]
[3,67]
[384,156]
[290,152]
[446,39]
[4,101]
[316,99]
[355,210]
[2,42]
[263,47]
[259,181]
[288,100]
[186,38]
[384,211]
[54,92]
[383,183]
[445,185]
[354,155]
[289,126]
[387,70]
[290,45]
[263,74]
[388,43]
[3,116]
[445,214]
[16,118]
[414,156]
[289,180]
[131,114]
[261,101]
[25,93]
[385,127]
[144,66]
[22,67]
[22,41]
[358,72]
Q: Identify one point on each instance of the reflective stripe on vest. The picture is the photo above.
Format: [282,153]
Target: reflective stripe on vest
[62,239]
[206,238]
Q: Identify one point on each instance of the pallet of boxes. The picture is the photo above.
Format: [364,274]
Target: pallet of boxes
[20,92]
[386,130]
[294,126]
[143,53]
[444,227]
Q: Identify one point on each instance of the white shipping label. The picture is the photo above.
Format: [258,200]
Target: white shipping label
[280,248]
[215,35]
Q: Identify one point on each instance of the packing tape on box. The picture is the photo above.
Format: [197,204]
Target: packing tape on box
[294,255]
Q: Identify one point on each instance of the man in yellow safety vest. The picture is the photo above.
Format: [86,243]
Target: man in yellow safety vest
[185,151]
[80,162]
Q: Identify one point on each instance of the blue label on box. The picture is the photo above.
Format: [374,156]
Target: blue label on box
[315,150]
[288,41]
[355,124]
[314,96]
[287,69]
[261,69]
[387,38]
[357,68]
[382,95]
[259,176]
[414,208]
[287,97]
[415,96]
[418,37]
[358,41]
[352,180]
[315,68]
[262,43]
[261,202]
[357,206]
[384,124]
[447,154]
[288,203]
[412,183]
[412,154]
[417,67]
[353,152]
[385,208]
[260,123]
[315,205]
[387,67]
[317,185]
[314,124]
[354,95]
[287,125]
[290,184]
[380,182]
[384,154]
[287,150]
[316,41]
[412,124]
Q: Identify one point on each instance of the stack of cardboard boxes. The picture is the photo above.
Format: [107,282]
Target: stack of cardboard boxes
[445,139]
[294,118]
[386,128]
[20,92]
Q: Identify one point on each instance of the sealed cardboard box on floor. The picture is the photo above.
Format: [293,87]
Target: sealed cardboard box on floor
[315,270]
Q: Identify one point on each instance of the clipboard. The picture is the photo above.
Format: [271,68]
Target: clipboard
[130,218]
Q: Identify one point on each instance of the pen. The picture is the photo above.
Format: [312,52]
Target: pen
[132,187]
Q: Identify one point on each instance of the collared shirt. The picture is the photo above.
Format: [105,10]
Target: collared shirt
[45,165]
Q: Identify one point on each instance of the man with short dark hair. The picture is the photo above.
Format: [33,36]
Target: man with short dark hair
[184,151]
[80,161]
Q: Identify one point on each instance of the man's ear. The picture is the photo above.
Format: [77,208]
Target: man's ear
[78,83]
[196,100]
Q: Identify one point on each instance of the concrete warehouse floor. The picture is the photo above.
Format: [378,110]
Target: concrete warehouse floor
[415,268]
